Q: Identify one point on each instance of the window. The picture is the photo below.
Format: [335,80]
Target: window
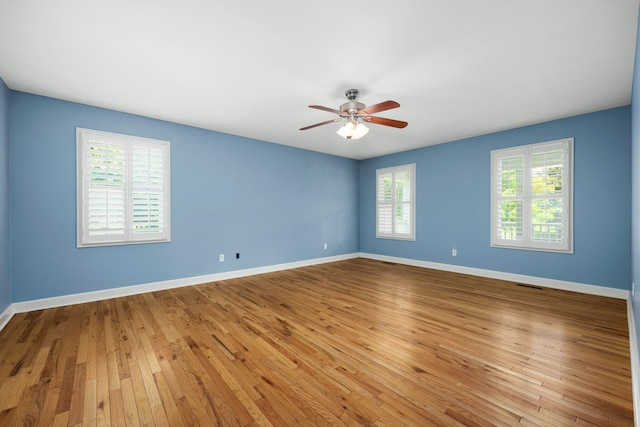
[531,196]
[123,189]
[395,202]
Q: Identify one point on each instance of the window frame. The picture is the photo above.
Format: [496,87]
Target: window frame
[565,245]
[394,170]
[87,138]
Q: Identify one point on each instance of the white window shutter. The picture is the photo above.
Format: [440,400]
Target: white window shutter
[510,199]
[123,189]
[385,204]
[531,196]
[147,192]
[395,202]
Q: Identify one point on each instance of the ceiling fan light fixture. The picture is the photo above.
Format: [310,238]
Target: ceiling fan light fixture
[351,130]
[354,113]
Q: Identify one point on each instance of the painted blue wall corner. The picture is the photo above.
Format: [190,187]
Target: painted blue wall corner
[5,257]
[453,202]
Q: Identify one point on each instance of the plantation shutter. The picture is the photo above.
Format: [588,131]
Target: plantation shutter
[531,196]
[548,187]
[104,198]
[403,186]
[510,199]
[395,202]
[147,195]
[385,204]
[123,189]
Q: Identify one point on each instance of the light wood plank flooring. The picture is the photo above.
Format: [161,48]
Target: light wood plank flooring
[356,342]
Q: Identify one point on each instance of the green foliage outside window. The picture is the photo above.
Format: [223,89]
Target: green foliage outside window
[546,210]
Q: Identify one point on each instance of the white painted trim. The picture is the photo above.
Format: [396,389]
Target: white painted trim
[635,361]
[519,278]
[40,304]
[6,316]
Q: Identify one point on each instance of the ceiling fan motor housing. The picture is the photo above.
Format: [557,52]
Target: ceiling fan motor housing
[352,107]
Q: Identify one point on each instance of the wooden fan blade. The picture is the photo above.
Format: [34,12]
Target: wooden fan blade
[386,122]
[322,123]
[320,107]
[386,105]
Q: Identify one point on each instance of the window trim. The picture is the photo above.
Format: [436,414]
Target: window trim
[84,139]
[411,168]
[527,151]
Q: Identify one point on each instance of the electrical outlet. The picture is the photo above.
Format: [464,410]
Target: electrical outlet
[237,255]
[221,257]
[325,246]
[454,252]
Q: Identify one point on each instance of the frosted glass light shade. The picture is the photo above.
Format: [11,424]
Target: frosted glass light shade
[349,131]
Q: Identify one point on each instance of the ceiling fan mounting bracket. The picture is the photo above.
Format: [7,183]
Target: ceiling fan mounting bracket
[352,94]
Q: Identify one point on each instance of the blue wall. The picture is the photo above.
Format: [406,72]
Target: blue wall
[5,259]
[272,204]
[277,204]
[453,209]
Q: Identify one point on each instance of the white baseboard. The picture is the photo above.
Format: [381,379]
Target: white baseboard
[635,361]
[6,316]
[519,278]
[40,304]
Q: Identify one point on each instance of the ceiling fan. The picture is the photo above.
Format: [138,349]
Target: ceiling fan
[355,113]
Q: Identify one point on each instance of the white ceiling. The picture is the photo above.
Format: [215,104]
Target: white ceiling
[458,68]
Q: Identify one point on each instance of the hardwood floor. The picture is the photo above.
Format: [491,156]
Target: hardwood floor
[356,342]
